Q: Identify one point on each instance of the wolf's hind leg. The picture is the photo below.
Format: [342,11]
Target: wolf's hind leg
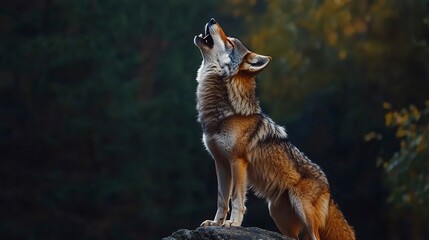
[283,215]
[306,213]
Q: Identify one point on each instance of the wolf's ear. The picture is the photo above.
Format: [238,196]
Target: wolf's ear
[254,63]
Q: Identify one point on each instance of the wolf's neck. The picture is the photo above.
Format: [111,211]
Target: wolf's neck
[218,99]
[213,105]
[241,94]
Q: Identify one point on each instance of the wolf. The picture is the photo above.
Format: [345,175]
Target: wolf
[251,151]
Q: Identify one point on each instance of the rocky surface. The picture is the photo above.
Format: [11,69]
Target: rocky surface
[226,233]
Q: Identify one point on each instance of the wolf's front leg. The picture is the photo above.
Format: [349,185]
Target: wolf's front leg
[239,178]
[223,172]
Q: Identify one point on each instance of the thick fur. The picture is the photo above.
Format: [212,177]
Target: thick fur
[250,150]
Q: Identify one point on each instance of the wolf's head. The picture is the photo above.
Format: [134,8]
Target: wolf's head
[227,56]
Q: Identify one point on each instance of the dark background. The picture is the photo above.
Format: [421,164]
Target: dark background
[98,131]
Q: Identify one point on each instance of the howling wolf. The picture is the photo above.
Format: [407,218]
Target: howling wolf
[249,149]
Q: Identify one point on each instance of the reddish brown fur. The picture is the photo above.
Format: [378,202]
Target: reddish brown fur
[250,149]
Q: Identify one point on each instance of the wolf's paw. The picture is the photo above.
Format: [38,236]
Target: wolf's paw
[230,223]
[207,223]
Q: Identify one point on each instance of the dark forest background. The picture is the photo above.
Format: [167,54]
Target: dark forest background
[98,131]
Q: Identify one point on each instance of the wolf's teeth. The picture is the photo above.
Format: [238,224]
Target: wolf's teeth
[201,35]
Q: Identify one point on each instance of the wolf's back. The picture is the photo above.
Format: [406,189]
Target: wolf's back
[336,226]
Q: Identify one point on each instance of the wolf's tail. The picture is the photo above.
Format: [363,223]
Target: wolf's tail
[336,226]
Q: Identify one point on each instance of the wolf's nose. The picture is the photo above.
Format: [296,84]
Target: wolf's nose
[212,21]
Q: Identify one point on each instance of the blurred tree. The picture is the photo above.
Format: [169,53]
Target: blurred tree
[98,132]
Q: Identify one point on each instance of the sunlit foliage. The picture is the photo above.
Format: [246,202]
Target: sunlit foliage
[407,171]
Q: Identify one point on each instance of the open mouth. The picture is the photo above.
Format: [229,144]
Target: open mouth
[205,37]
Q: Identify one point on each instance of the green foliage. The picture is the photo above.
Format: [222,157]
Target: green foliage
[407,171]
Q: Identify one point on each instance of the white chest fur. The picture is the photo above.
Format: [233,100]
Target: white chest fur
[219,144]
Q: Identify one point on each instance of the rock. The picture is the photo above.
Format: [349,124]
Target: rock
[226,233]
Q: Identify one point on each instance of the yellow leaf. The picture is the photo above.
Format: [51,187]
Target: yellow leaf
[401,132]
[369,136]
[415,112]
[372,135]
[401,118]
[421,144]
[388,119]
[387,105]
